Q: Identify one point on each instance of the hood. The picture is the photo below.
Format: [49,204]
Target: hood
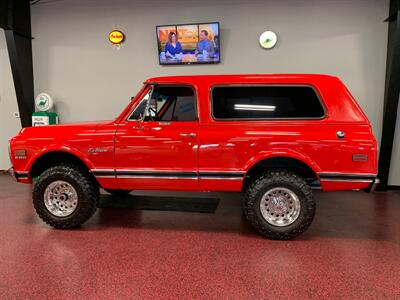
[61,130]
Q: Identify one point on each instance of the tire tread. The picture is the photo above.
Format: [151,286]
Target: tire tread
[88,204]
[251,200]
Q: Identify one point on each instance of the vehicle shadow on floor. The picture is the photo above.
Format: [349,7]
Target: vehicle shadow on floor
[342,215]
[349,215]
[213,212]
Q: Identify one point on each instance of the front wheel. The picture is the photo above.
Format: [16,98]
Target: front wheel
[65,196]
[279,205]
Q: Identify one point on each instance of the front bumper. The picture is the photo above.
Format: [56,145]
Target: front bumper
[19,176]
[372,187]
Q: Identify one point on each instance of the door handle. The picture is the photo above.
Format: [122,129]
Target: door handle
[190,134]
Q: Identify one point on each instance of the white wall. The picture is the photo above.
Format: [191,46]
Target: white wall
[9,126]
[90,79]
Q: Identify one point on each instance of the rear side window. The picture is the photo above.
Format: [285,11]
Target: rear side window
[266,102]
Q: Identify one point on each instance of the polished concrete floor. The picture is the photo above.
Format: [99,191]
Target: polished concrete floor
[351,251]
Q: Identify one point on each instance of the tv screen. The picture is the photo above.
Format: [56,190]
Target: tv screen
[188,43]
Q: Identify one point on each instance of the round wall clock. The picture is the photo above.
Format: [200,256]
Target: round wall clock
[268,39]
[43,102]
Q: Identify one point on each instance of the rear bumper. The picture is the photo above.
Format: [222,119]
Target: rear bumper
[372,187]
[331,181]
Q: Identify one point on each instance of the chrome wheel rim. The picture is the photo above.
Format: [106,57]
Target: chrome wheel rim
[60,198]
[280,206]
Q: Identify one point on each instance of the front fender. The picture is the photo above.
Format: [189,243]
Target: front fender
[62,148]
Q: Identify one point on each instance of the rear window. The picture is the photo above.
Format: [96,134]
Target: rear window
[266,102]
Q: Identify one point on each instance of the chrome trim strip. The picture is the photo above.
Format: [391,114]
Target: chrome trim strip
[167,170]
[344,173]
[221,178]
[167,174]
[21,175]
[156,174]
[154,177]
[316,187]
[334,174]
[216,171]
[346,180]
[222,175]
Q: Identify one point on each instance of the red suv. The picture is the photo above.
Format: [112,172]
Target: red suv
[273,137]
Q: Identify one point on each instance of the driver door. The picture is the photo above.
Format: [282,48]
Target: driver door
[157,146]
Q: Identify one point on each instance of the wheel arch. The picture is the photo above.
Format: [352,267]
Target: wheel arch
[298,164]
[49,158]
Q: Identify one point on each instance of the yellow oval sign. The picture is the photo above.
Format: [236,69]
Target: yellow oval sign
[116,37]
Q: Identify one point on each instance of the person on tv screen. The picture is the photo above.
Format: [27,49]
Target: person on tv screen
[205,46]
[173,48]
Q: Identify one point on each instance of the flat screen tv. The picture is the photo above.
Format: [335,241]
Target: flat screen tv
[188,43]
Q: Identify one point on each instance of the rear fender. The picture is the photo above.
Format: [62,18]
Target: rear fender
[283,153]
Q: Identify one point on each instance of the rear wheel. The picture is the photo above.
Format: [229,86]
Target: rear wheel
[118,193]
[279,205]
[65,196]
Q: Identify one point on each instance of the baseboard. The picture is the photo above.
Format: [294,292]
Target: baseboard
[393,187]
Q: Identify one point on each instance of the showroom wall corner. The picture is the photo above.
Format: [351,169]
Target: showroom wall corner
[9,125]
[394,174]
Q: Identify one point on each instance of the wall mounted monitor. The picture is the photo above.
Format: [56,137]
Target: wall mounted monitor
[188,43]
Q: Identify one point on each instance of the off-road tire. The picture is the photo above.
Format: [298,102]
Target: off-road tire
[85,186]
[279,178]
[118,193]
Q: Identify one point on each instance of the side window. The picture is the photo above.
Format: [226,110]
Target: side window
[185,109]
[172,103]
[265,102]
[139,110]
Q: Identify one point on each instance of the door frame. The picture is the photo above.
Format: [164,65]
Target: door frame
[160,174]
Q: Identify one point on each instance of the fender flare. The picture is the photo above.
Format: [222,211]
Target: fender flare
[283,153]
[62,148]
